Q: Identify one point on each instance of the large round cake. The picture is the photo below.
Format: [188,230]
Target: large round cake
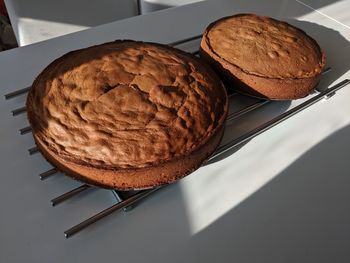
[126,114]
[263,57]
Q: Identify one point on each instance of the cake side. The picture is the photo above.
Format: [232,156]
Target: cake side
[135,178]
[260,87]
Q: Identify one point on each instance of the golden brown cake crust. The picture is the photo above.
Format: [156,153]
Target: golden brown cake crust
[263,56]
[120,114]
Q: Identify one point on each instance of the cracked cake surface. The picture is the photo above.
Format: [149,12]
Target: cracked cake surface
[263,56]
[126,106]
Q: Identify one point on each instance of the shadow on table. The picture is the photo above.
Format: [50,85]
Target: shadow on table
[302,215]
[237,129]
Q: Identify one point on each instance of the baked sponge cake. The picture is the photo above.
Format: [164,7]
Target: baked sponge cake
[262,56]
[127,115]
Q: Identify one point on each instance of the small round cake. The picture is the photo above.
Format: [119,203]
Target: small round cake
[263,57]
[127,115]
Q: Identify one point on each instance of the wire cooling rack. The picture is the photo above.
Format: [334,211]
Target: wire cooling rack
[125,200]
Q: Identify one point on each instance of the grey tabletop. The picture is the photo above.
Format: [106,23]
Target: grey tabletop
[282,197]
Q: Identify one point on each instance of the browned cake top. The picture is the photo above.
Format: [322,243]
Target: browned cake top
[265,47]
[125,104]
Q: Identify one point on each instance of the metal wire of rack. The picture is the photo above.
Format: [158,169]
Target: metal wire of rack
[126,200]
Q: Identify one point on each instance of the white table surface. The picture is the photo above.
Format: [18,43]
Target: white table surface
[282,197]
